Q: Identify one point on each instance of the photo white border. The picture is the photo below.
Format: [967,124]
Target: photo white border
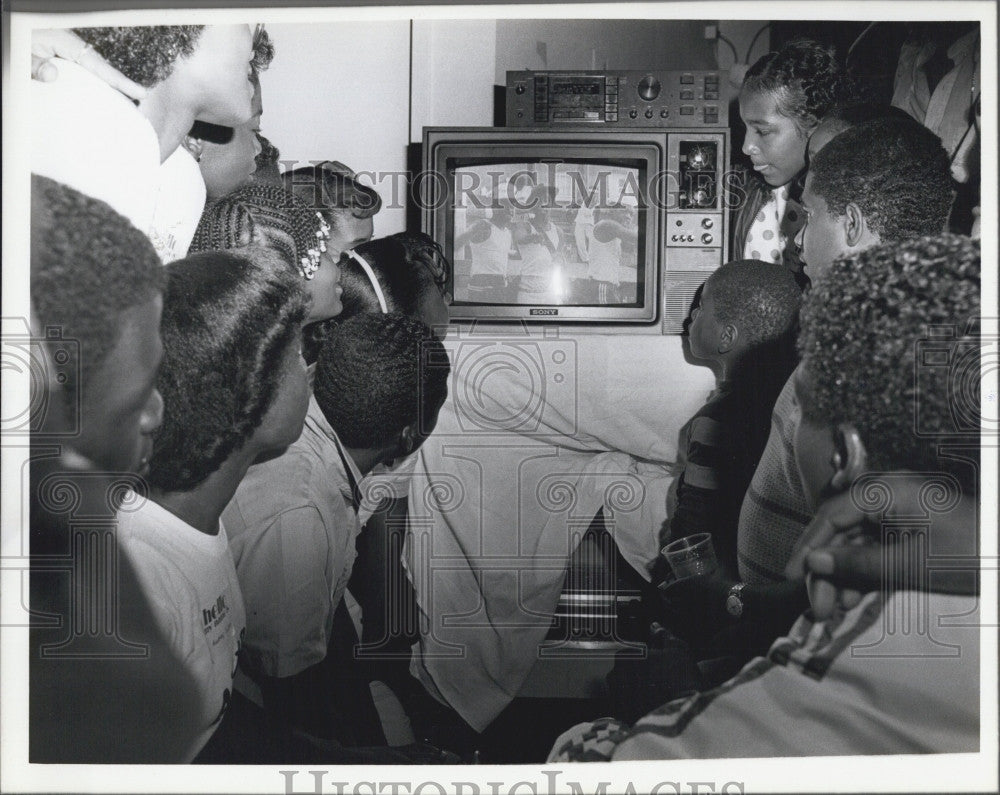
[951,772]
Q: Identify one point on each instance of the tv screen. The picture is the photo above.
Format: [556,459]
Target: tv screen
[543,225]
[527,233]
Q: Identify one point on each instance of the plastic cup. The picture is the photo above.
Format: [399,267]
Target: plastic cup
[691,556]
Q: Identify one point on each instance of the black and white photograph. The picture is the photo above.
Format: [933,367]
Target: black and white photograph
[537,398]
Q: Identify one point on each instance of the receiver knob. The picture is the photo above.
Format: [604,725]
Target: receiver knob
[708,223]
[648,88]
[633,113]
[706,238]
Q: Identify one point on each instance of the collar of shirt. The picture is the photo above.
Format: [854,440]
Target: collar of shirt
[317,423]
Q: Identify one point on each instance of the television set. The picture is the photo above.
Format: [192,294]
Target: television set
[570,225]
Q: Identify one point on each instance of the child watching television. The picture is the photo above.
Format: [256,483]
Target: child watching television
[270,216]
[348,205]
[379,384]
[862,326]
[744,326]
[234,388]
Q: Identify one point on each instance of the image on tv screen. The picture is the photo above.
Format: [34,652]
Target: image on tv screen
[547,234]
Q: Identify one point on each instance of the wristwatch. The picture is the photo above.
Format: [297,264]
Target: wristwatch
[734,600]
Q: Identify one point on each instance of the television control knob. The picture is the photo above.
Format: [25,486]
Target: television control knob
[706,238]
[519,88]
[633,113]
[690,238]
[664,113]
[649,113]
[648,88]
[707,223]
[673,238]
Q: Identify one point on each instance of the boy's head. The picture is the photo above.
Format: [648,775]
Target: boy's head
[882,181]
[97,281]
[380,382]
[232,356]
[744,305]
[347,204]
[206,66]
[858,387]
[843,117]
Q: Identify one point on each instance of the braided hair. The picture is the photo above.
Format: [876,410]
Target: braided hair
[228,320]
[267,215]
[406,265]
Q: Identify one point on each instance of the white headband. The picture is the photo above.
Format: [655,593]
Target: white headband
[371,277]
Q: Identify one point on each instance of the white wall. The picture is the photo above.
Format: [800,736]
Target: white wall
[360,92]
[341,91]
[601,43]
[453,66]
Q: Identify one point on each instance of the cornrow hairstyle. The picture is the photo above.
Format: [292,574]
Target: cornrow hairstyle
[406,265]
[805,79]
[264,214]
[760,298]
[333,192]
[895,170]
[228,320]
[378,374]
[863,324]
[263,50]
[143,53]
[88,266]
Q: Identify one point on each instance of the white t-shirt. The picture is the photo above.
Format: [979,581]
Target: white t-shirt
[93,138]
[191,584]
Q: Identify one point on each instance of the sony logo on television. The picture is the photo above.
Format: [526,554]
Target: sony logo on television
[545,312]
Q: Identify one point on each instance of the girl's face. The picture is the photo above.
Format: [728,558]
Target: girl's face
[773,142]
[346,232]
[216,77]
[324,288]
[226,167]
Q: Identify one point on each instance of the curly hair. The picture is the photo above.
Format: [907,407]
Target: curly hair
[862,325]
[805,78]
[333,192]
[88,266]
[894,169]
[760,298]
[228,320]
[406,264]
[378,374]
[264,214]
[263,50]
[143,53]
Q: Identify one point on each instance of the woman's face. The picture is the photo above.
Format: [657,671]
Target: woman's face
[773,142]
[216,76]
[226,167]
[324,288]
